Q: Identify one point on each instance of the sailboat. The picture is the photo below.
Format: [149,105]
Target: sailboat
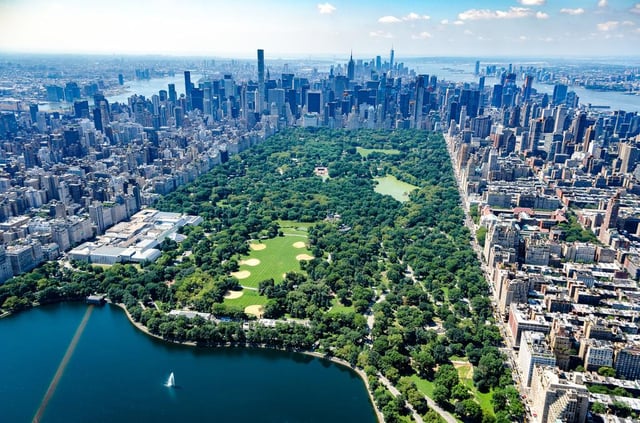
[171,382]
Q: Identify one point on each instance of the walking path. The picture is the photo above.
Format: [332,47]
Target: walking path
[416,416]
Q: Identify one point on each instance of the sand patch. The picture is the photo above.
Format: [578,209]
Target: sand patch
[255,310]
[298,244]
[304,257]
[257,247]
[251,262]
[232,295]
[243,274]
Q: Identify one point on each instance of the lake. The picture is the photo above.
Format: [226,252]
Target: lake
[118,374]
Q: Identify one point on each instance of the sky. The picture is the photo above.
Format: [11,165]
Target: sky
[301,28]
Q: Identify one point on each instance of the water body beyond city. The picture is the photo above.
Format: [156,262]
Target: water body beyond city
[117,373]
[452,71]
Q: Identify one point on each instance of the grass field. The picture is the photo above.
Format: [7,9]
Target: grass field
[337,307]
[274,258]
[278,258]
[290,227]
[364,152]
[390,185]
[423,385]
[249,297]
[465,372]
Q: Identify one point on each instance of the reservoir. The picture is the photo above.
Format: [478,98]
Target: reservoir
[117,373]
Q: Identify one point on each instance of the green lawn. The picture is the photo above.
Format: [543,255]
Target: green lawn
[390,185]
[364,152]
[337,307]
[466,376]
[278,258]
[423,385]
[249,297]
[484,399]
[291,227]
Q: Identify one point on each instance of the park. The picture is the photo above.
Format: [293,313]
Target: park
[268,259]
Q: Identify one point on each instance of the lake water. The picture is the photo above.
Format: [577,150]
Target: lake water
[118,373]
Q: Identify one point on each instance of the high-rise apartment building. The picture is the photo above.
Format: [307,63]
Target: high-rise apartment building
[534,351]
[557,398]
[627,363]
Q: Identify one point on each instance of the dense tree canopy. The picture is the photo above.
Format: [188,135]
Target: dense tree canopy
[408,264]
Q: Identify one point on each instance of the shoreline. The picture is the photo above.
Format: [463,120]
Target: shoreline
[363,376]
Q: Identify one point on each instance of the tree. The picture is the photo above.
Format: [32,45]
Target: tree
[607,371]
[441,394]
[598,408]
[460,392]
[481,235]
[423,362]
[469,410]
[620,409]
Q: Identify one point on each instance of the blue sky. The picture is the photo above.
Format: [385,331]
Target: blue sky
[290,28]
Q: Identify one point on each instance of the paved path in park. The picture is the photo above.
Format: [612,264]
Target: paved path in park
[448,417]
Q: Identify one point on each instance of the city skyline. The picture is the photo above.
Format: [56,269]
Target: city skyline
[285,28]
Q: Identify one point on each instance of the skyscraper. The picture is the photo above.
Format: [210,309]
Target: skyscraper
[172,93]
[261,93]
[559,93]
[260,66]
[351,68]
[391,61]
[187,88]
[526,87]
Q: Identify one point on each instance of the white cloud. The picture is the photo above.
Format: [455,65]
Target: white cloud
[326,8]
[542,15]
[573,12]
[380,34]
[608,26]
[532,2]
[523,38]
[467,32]
[421,36]
[444,21]
[408,18]
[478,14]
[389,19]
[628,23]
[635,8]
[412,16]
[458,22]
[602,3]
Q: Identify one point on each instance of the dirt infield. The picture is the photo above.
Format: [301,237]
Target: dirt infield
[300,257]
[257,247]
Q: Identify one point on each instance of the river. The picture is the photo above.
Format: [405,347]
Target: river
[117,373]
[448,69]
